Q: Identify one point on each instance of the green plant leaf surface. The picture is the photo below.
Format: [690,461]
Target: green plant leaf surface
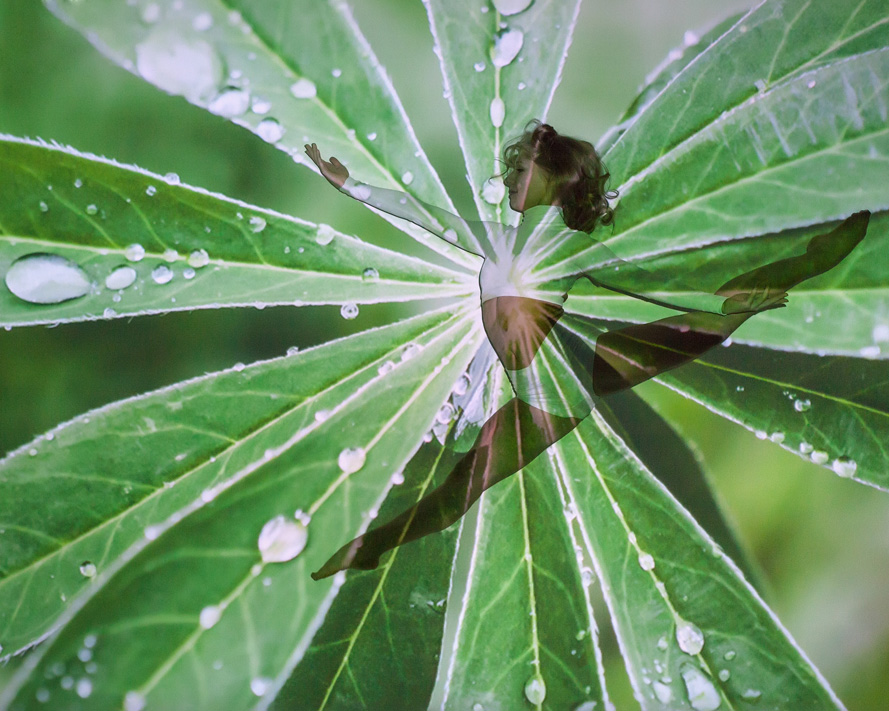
[626,515]
[293,73]
[467,34]
[90,211]
[115,471]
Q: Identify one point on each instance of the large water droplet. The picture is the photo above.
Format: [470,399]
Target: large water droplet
[819,457]
[462,385]
[802,405]
[324,234]
[511,7]
[270,130]
[535,690]
[186,66]
[498,112]
[230,103]
[133,701]
[506,47]
[134,252]
[162,274]
[349,310]
[689,637]
[198,258]
[646,561]
[88,569]
[351,459]
[282,539]
[210,616]
[493,191]
[303,89]
[663,692]
[845,467]
[120,278]
[41,278]
[702,695]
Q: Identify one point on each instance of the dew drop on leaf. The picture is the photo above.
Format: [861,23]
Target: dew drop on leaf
[702,695]
[84,688]
[407,178]
[663,692]
[41,278]
[511,7]
[170,255]
[270,130]
[845,467]
[479,66]
[445,413]
[282,539]
[303,89]
[202,22]
[210,616]
[134,252]
[88,569]
[324,234]
[370,273]
[819,457]
[162,274]
[802,405]
[349,310]
[198,258]
[261,106]
[646,561]
[385,367]
[506,47]
[180,65]
[43,206]
[493,191]
[42,694]
[351,459]
[462,385]
[805,447]
[133,701]
[231,102]
[535,690]
[410,351]
[751,695]
[498,112]
[260,685]
[257,223]
[729,655]
[91,209]
[724,674]
[689,637]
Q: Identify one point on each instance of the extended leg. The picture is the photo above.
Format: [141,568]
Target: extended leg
[509,440]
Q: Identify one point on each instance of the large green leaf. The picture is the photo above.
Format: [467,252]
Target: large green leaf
[185,248]
[293,73]
[499,72]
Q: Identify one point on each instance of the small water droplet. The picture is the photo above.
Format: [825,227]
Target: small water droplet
[41,278]
[270,130]
[162,274]
[751,695]
[88,569]
[397,479]
[493,191]
[510,7]
[231,102]
[880,333]
[498,112]
[90,641]
[257,223]
[724,674]
[587,576]
[777,437]
[84,688]
[133,701]
[324,234]
[188,273]
[171,179]
[407,178]
[462,385]
[151,13]
[303,89]
[282,539]
[811,83]
[819,457]
[663,692]
[91,209]
[336,73]
[410,351]
[43,206]
[689,637]
[202,22]
[67,682]
[322,415]
[802,405]
[78,183]
[506,47]
[761,434]
[349,310]
[646,561]
[261,685]
[535,690]
[293,350]
[261,106]
[198,258]
[386,367]
[209,616]
[844,467]
[170,255]
[369,274]
[351,459]
[84,655]
[805,447]
[662,643]
[150,191]
[479,66]
[134,252]
[182,65]
[729,655]
[702,694]
[760,85]
[42,695]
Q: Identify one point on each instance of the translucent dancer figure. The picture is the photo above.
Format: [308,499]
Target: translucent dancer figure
[559,365]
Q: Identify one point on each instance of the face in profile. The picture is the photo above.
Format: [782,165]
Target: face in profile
[528,185]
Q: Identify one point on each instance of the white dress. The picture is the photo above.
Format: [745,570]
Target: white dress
[524,280]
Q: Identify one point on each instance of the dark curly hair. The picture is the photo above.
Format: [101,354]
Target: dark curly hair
[575,165]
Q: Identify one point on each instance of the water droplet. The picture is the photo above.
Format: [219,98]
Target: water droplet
[805,447]
[67,682]
[198,258]
[663,692]
[88,569]
[78,183]
[322,415]
[521,86]
[879,334]
[586,705]
[151,13]
[478,707]
[282,539]
[42,695]
[210,616]
[802,405]
[493,191]
[84,688]
[41,278]
[870,352]
[162,274]
[43,206]
[261,685]
[498,112]
[351,459]
[506,47]
[293,350]
[270,130]
[188,273]
[751,695]
[397,479]
[587,576]
[407,178]
[134,252]
[702,695]
[186,66]
[91,209]
[150,190]
[777,437]
[845,467]
[690,39]
[761,434]
[724,674]
[662,643]
[303,89]
[336,73]
[535,690]
[511,7]
[369,274]
[729,655]
[84,655]
[410,351]
[349,310]
[819,457]
[462,385]
[479,66]
[257,223]
[90,641]
[261,107]
[324,234]
[170,255]
[171,179]
[811,84]
[202,22]
[445,413]
[386,367]
[689,637]
[133,701]
[646,561]
[760,85]
[230,103]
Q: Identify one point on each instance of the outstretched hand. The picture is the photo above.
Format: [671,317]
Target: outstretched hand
[759,299]
[334,171]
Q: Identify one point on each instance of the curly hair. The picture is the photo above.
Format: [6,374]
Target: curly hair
[575,165]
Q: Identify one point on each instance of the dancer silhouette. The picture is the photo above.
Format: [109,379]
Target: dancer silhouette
[557,363]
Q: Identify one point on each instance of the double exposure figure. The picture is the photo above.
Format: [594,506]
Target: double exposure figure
[559,364]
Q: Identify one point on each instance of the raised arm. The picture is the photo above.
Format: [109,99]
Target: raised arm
[449,227]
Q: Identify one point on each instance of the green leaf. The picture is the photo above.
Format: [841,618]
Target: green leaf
[289,74]
[216,252]
[467,34]
[626,515]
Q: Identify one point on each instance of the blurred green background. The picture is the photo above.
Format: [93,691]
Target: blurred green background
[822,541]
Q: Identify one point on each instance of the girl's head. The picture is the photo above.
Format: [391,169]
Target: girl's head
[546,168]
